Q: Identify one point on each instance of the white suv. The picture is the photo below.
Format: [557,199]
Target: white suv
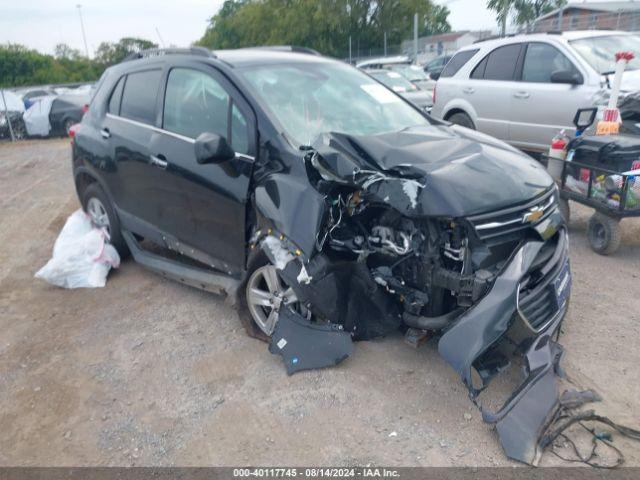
[524,89]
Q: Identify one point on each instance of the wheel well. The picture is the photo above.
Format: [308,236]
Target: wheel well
[83,180]
[453,111]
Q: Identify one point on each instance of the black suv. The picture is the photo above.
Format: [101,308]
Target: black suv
[332,210]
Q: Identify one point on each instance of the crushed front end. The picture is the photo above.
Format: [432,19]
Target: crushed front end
[403,245]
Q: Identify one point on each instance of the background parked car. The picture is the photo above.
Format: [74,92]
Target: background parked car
[399,84]
[11,112]
[434,68]
[524,89]
[415,74]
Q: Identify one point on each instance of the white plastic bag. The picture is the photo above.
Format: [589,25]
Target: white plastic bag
[82,257]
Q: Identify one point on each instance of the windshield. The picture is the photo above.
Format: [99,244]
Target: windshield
[309,99]
[412,72]
[600,52]
[394,81]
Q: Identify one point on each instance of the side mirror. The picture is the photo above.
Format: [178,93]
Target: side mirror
[212,148]
[434,76]
[566,76]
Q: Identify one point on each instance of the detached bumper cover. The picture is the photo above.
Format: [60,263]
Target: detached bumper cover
[523,418]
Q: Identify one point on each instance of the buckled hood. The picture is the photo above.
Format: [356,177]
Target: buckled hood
[441,171]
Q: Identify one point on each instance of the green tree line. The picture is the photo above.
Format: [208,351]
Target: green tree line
[21,66]
[324,25]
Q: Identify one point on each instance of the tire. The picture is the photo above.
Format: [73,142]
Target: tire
[248,311]
[604,234]
[68,123]
[463,120]
[19,130]
[94,196]
[565,211]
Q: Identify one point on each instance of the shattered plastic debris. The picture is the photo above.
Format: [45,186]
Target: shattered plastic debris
[279,255]
[81,257]
[304,345]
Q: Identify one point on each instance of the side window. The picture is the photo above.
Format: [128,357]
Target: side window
[139,96]
[458,61]
[116,95]
[541,61]
[478,72]
[195,103]
[501,63]
[239,131]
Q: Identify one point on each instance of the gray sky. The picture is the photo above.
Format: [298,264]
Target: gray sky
[41,24]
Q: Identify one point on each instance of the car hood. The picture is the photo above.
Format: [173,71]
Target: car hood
[433,170]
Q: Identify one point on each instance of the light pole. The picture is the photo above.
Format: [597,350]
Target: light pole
[84,37]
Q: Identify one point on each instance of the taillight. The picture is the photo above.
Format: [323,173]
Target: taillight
[85,108]
[434,93]
[73,130]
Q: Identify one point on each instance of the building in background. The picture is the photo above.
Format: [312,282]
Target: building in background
[591,16]
[442,44]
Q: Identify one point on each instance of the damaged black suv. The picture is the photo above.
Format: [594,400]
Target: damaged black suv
[330,210]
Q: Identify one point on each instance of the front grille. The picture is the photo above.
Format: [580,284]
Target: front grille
[494,226]
[536,293]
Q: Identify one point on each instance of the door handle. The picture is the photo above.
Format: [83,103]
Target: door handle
[522,95]
[468,90]
[105,133]
[159,161]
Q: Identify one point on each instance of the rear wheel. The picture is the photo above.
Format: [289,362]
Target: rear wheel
[604,234]
[97,205]
[463,120]
[68,123]
[19,130]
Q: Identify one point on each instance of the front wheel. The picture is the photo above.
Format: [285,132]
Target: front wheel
[261,298]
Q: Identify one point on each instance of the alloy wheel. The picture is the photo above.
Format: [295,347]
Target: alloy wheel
[266,295]
[98,214]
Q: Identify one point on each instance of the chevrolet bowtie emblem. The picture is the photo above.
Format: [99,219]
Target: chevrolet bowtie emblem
[533,215]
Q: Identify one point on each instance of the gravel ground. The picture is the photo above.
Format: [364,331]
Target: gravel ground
[149,372]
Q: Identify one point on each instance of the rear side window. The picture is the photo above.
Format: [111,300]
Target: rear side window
[196,103]
[139,96]
[500,64]
[457,62]
[116,95]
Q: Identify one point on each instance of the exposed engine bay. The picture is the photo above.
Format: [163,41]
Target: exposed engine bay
[392,250]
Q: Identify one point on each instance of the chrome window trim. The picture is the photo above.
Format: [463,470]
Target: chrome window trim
[166,132]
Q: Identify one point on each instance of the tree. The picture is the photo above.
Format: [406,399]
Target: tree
[62,50]
[524,12]
[503,10]
[112,53]
[324,25]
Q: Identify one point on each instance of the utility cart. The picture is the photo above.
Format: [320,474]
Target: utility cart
[612,194]
[602,172]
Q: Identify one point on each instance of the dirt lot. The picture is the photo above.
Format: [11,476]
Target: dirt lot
[150,372]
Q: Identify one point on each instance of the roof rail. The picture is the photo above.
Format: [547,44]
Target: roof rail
[510,35]
[158,52]
[289,48]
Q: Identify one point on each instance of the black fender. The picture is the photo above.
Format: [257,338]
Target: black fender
[294,209]
[83,170]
